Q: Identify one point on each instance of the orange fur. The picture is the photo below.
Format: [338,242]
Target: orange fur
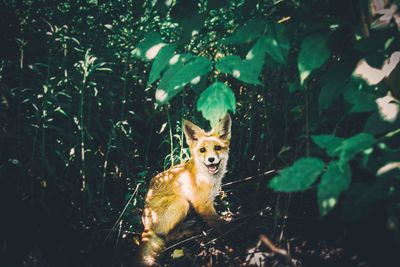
[191,184]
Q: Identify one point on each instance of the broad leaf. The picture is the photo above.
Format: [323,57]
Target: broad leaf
[175,64]
[313,53]
[247,33]
[334,83]
[255,57]
[240,69]
[358,203]
[298,177]
[361,199]
[376,125]
[335,180]
[215,101]
[354,145]
[328,142]
[161,62]
[197,67]
[149,47]
[360,96]
[293,87]
[277,44]
[190,72]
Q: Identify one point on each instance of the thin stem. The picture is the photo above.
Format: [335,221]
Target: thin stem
[82,133]
[307,122]
[105,166]
[249,178]
[171,139]
[125,77]
[123,211]
[181,139]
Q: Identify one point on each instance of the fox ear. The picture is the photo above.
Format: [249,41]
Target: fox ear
[192,132]
[224,127]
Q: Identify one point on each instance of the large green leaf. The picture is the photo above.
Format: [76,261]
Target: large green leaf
[175,64]
[328,142]
[334,83]
[277,43]
[161,62]
[354,145]
[255,57]
[247,33]
[360,96]
[242,70]
[197,67]
[376,125]
[313,53]
[190,72]
[215,102]
[149,47]
[358,203]
[361,199]
[298,177]
[335,180]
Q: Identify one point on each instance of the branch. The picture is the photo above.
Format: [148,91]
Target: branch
[249,178]
[274,248]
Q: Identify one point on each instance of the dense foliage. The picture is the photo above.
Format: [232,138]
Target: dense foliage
[93,95]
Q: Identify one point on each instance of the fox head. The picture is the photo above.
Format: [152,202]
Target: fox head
[210,150]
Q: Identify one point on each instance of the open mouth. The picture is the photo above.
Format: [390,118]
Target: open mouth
[213,168]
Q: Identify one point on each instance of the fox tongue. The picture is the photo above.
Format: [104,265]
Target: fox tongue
[212,167]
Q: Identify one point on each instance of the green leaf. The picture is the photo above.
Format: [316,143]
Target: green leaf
[60,110]
[334,83]
[359,202]
[277,44]
[360,96]
[313,53]
[293,87]
[255,57]
[354,145]
[361,199]
[215,102]
[247,33]
[188,73]
[161,62]
[328,142]
[329,93]
[197,67]
[175,64]
[335,180]
[240,69]
[377,126]
[149,47]
[298,177]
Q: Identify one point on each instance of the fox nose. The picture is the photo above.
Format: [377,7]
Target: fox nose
[211,159]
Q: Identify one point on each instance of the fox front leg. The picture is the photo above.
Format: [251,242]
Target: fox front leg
[209,214]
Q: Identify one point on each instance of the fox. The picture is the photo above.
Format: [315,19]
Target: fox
[193,184]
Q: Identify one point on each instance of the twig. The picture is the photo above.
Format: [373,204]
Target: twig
[224,234]
[249,178]
[253,252]
[171,138]
[272,247]
[182,241]
[123,211]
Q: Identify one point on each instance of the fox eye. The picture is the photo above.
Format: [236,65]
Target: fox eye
[202,150]
[217,147]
